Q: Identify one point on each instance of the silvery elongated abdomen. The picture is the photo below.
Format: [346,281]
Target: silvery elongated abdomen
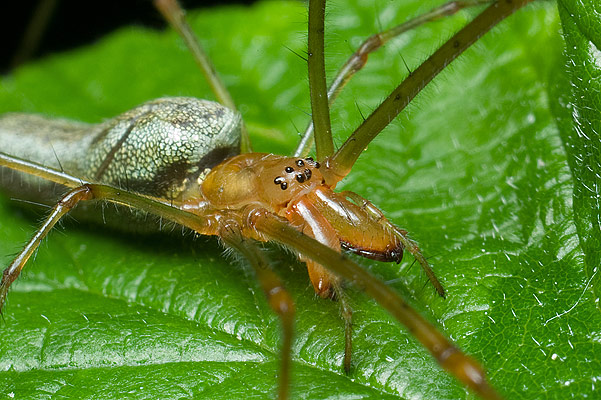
[158,148]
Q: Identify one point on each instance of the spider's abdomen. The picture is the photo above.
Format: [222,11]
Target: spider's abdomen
[266,179]
[163,146]
[158,148]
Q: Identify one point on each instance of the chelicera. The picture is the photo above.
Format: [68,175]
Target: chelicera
[258,197]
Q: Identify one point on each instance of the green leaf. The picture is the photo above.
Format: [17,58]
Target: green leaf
[577,109]
[476,169]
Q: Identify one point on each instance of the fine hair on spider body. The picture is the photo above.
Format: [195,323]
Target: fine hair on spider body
[213,183]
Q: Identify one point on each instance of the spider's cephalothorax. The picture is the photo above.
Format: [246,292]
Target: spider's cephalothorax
[261,178]
[295,189]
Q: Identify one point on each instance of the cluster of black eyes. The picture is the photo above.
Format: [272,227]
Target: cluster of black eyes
[305,175]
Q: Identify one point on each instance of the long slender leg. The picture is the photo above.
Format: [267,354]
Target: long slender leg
[36,27]
[65,205]
[174,14]
[87,192]
[277,296]
[401,234]
[320,110]
[447,354]
[358,59]
[346,312]
[314,224]
[39,170]
[341,163]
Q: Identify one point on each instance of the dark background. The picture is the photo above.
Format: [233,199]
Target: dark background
[74,23]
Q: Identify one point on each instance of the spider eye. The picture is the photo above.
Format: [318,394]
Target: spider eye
[289,169]
[300,163]
[284,185]
[300,178]
[307,173]
[278,180]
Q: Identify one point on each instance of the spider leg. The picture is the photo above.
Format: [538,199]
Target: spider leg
[464,368]
[346,312]
[65,205]
[87,192]
[39,170]
[358,59]
[313,223]
[324,145]
[401,234]
[344,159]
[277,296]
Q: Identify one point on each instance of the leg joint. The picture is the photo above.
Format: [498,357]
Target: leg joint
[71,199]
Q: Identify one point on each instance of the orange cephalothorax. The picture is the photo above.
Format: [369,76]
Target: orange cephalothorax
[295,188]
[267,179]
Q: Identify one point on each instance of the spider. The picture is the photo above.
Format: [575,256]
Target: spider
[277,182]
